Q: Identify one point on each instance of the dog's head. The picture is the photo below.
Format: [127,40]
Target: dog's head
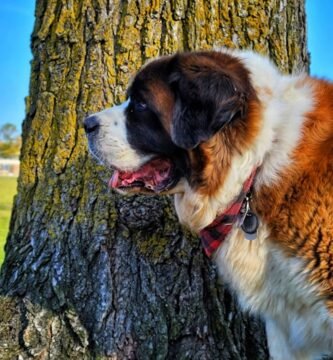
[185,117]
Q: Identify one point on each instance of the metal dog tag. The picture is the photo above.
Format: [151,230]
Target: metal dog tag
[250,225]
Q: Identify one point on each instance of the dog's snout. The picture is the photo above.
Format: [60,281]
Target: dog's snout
[91,124]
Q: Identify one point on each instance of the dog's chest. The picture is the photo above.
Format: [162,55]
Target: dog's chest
[270,284]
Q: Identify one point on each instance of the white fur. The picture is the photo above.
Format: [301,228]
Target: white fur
[110,144]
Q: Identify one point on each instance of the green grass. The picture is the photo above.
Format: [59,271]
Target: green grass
[7,192]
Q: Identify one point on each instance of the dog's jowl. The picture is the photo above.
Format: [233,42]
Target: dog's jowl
[248,154]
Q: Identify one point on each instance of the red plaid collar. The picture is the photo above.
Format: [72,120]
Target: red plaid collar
[214,234]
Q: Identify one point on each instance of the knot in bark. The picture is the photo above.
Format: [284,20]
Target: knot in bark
[140,212]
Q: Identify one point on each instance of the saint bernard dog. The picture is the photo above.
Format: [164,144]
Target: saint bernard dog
[248,154]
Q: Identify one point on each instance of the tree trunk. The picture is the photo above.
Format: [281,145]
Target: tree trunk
[89,274]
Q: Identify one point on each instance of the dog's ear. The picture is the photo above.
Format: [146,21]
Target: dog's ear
[208,96]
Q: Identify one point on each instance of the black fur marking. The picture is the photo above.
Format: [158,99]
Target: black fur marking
[146,134]
[207,99]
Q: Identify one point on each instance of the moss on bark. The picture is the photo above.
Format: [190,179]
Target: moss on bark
[89,274]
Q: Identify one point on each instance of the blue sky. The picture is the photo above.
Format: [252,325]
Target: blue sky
[320,37]
[16,23]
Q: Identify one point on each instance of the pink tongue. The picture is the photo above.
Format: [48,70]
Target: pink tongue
[150,174]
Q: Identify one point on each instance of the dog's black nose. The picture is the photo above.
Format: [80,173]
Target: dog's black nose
[91,124]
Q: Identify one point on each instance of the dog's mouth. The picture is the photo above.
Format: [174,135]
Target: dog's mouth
[158,175]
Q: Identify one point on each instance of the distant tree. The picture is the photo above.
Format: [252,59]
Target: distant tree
[8,132]
[10,142]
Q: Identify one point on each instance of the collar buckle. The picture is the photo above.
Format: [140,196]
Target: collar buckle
[244,209]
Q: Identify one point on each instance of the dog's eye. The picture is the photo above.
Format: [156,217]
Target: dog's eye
[140,106]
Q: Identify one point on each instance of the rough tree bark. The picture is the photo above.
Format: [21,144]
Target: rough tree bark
[89,274]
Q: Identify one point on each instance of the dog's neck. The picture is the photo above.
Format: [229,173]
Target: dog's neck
[197,210]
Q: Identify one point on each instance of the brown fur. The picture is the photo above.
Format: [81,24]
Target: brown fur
[298,209]
[163,101]
[219,150]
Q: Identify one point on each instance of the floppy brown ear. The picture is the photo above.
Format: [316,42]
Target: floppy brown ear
[208,95]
